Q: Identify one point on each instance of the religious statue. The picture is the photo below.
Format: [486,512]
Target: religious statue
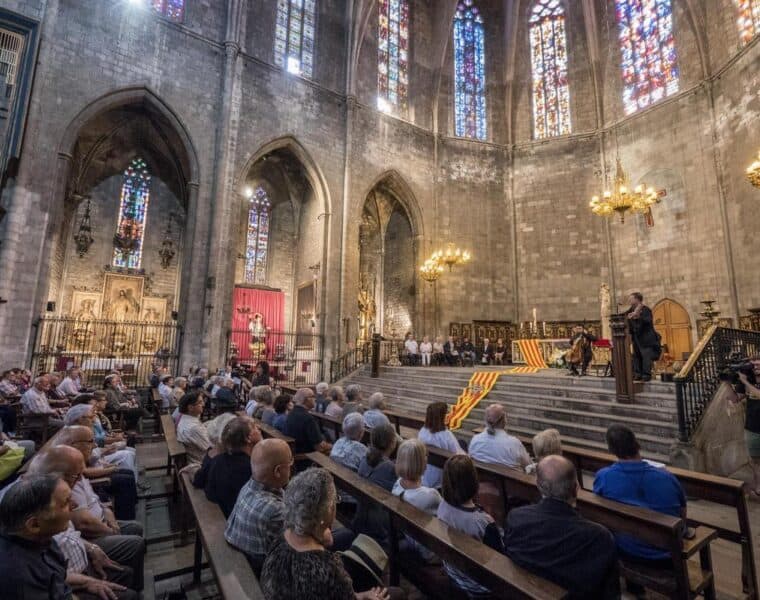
[125,307]
[258,332]
[605,302]
[367,312]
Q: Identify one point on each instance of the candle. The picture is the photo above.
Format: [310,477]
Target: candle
[544,327]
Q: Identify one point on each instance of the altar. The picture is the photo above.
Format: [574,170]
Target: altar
[552,350]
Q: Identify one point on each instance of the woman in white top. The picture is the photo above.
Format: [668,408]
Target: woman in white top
[190,431]
[435,433]
[438,356]
[411,461]
[426,350]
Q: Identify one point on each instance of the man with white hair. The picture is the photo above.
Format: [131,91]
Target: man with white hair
[321,398]
[349,450]
[374,416]
[72,383]
[495,445]
[35,402]
[225,399]
[303,427]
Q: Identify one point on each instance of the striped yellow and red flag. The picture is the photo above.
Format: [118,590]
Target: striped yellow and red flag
[480,384]
[532,353]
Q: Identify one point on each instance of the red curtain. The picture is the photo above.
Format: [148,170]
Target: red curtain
[246,304]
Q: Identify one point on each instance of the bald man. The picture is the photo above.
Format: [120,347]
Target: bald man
[553,541]
[257,520]
[495,445]
[90,571]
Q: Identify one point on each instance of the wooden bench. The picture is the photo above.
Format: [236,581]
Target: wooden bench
[176,455]
[232,572]
[488,567]
[663,531]
[267,431]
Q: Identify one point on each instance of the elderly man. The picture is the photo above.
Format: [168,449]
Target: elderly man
[32,512]
[349,450]
[321,399]
[166,391]
[553,541]
[117,401]
[374,416]
[303,427]
[257,520]
[225,399]
[90,570]
[72,383]
[495,445]
[35,402]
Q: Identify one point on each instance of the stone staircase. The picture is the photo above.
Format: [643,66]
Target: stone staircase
[580,408]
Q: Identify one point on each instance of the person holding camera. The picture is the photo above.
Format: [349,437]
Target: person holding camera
[752,425]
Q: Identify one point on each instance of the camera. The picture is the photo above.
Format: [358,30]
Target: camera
[736,364]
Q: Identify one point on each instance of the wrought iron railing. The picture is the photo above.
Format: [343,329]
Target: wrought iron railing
[698,380]
[349,361]
[294,358]
[98,346]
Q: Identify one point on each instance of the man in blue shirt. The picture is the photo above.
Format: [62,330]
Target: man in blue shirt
[634,481]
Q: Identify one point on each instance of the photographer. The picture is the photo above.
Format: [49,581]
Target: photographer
[752,424]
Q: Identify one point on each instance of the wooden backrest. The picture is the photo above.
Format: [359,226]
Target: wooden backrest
[175,447]
[268,431]
[489,567]
[234,576]
[649,526]
[332,423]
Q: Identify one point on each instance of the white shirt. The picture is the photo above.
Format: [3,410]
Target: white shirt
[69,387]
[194,436]
[411,346]
[426,348]
[86,499]
[433,476]
[166,393]
[499,448]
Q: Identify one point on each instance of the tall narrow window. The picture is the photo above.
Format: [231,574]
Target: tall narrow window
[11,47]
[294,36]
[135,195]
[749,19]
[393,55]
[174,10]
[257,238]
[469,72]
[548,54]
[649,65]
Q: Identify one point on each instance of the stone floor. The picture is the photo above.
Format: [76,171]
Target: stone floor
[159,515]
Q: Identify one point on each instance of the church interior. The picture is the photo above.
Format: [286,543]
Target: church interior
[466,283]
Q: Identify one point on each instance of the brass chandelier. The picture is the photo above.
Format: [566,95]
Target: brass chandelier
[451,256]
[431,271]
[623,199]
[753,172]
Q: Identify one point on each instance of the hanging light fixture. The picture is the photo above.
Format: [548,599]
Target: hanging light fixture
[622,199]
[431,271]
[167,251]
[83,237]
[753,172]
[451,256]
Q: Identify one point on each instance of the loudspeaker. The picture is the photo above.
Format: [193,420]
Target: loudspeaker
[50,307]
[175,315]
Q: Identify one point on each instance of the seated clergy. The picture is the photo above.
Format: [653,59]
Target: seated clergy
[256,521]
[540,537]
[495,445]
[230,470]
[190,431]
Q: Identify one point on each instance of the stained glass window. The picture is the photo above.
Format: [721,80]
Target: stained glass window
[393,55]
[469,72]
[174,10]
[133,209]
[648,48]
[749,19]
[548,54]
[294,36]
[257,238]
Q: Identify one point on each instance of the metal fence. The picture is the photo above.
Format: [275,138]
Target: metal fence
[698,381]
[294,358]
[348,362]
[99,346]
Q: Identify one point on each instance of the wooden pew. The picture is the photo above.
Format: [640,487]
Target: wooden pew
[234,576]
[657,529]
[492,569]
[267,431]
[176,458]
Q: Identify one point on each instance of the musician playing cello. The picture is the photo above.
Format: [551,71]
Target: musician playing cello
[580,353]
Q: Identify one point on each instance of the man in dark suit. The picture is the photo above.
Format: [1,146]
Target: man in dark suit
[646,341]
[485,351]
[553,541]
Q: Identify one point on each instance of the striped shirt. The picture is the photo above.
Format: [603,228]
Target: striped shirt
[34,402]
[72,545]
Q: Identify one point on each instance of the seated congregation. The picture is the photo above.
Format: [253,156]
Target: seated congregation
[320,493]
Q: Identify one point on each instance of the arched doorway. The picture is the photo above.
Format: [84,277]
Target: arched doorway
[672,322]
[387,250]
[276,307]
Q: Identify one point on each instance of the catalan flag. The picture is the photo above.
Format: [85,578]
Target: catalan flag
[480,384]
[532,353]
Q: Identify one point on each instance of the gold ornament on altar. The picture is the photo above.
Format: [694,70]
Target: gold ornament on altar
[622,199]
[753,172]
[451,256]
[431,271]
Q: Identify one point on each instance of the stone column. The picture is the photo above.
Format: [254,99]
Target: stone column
[622,365]
[190,304]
